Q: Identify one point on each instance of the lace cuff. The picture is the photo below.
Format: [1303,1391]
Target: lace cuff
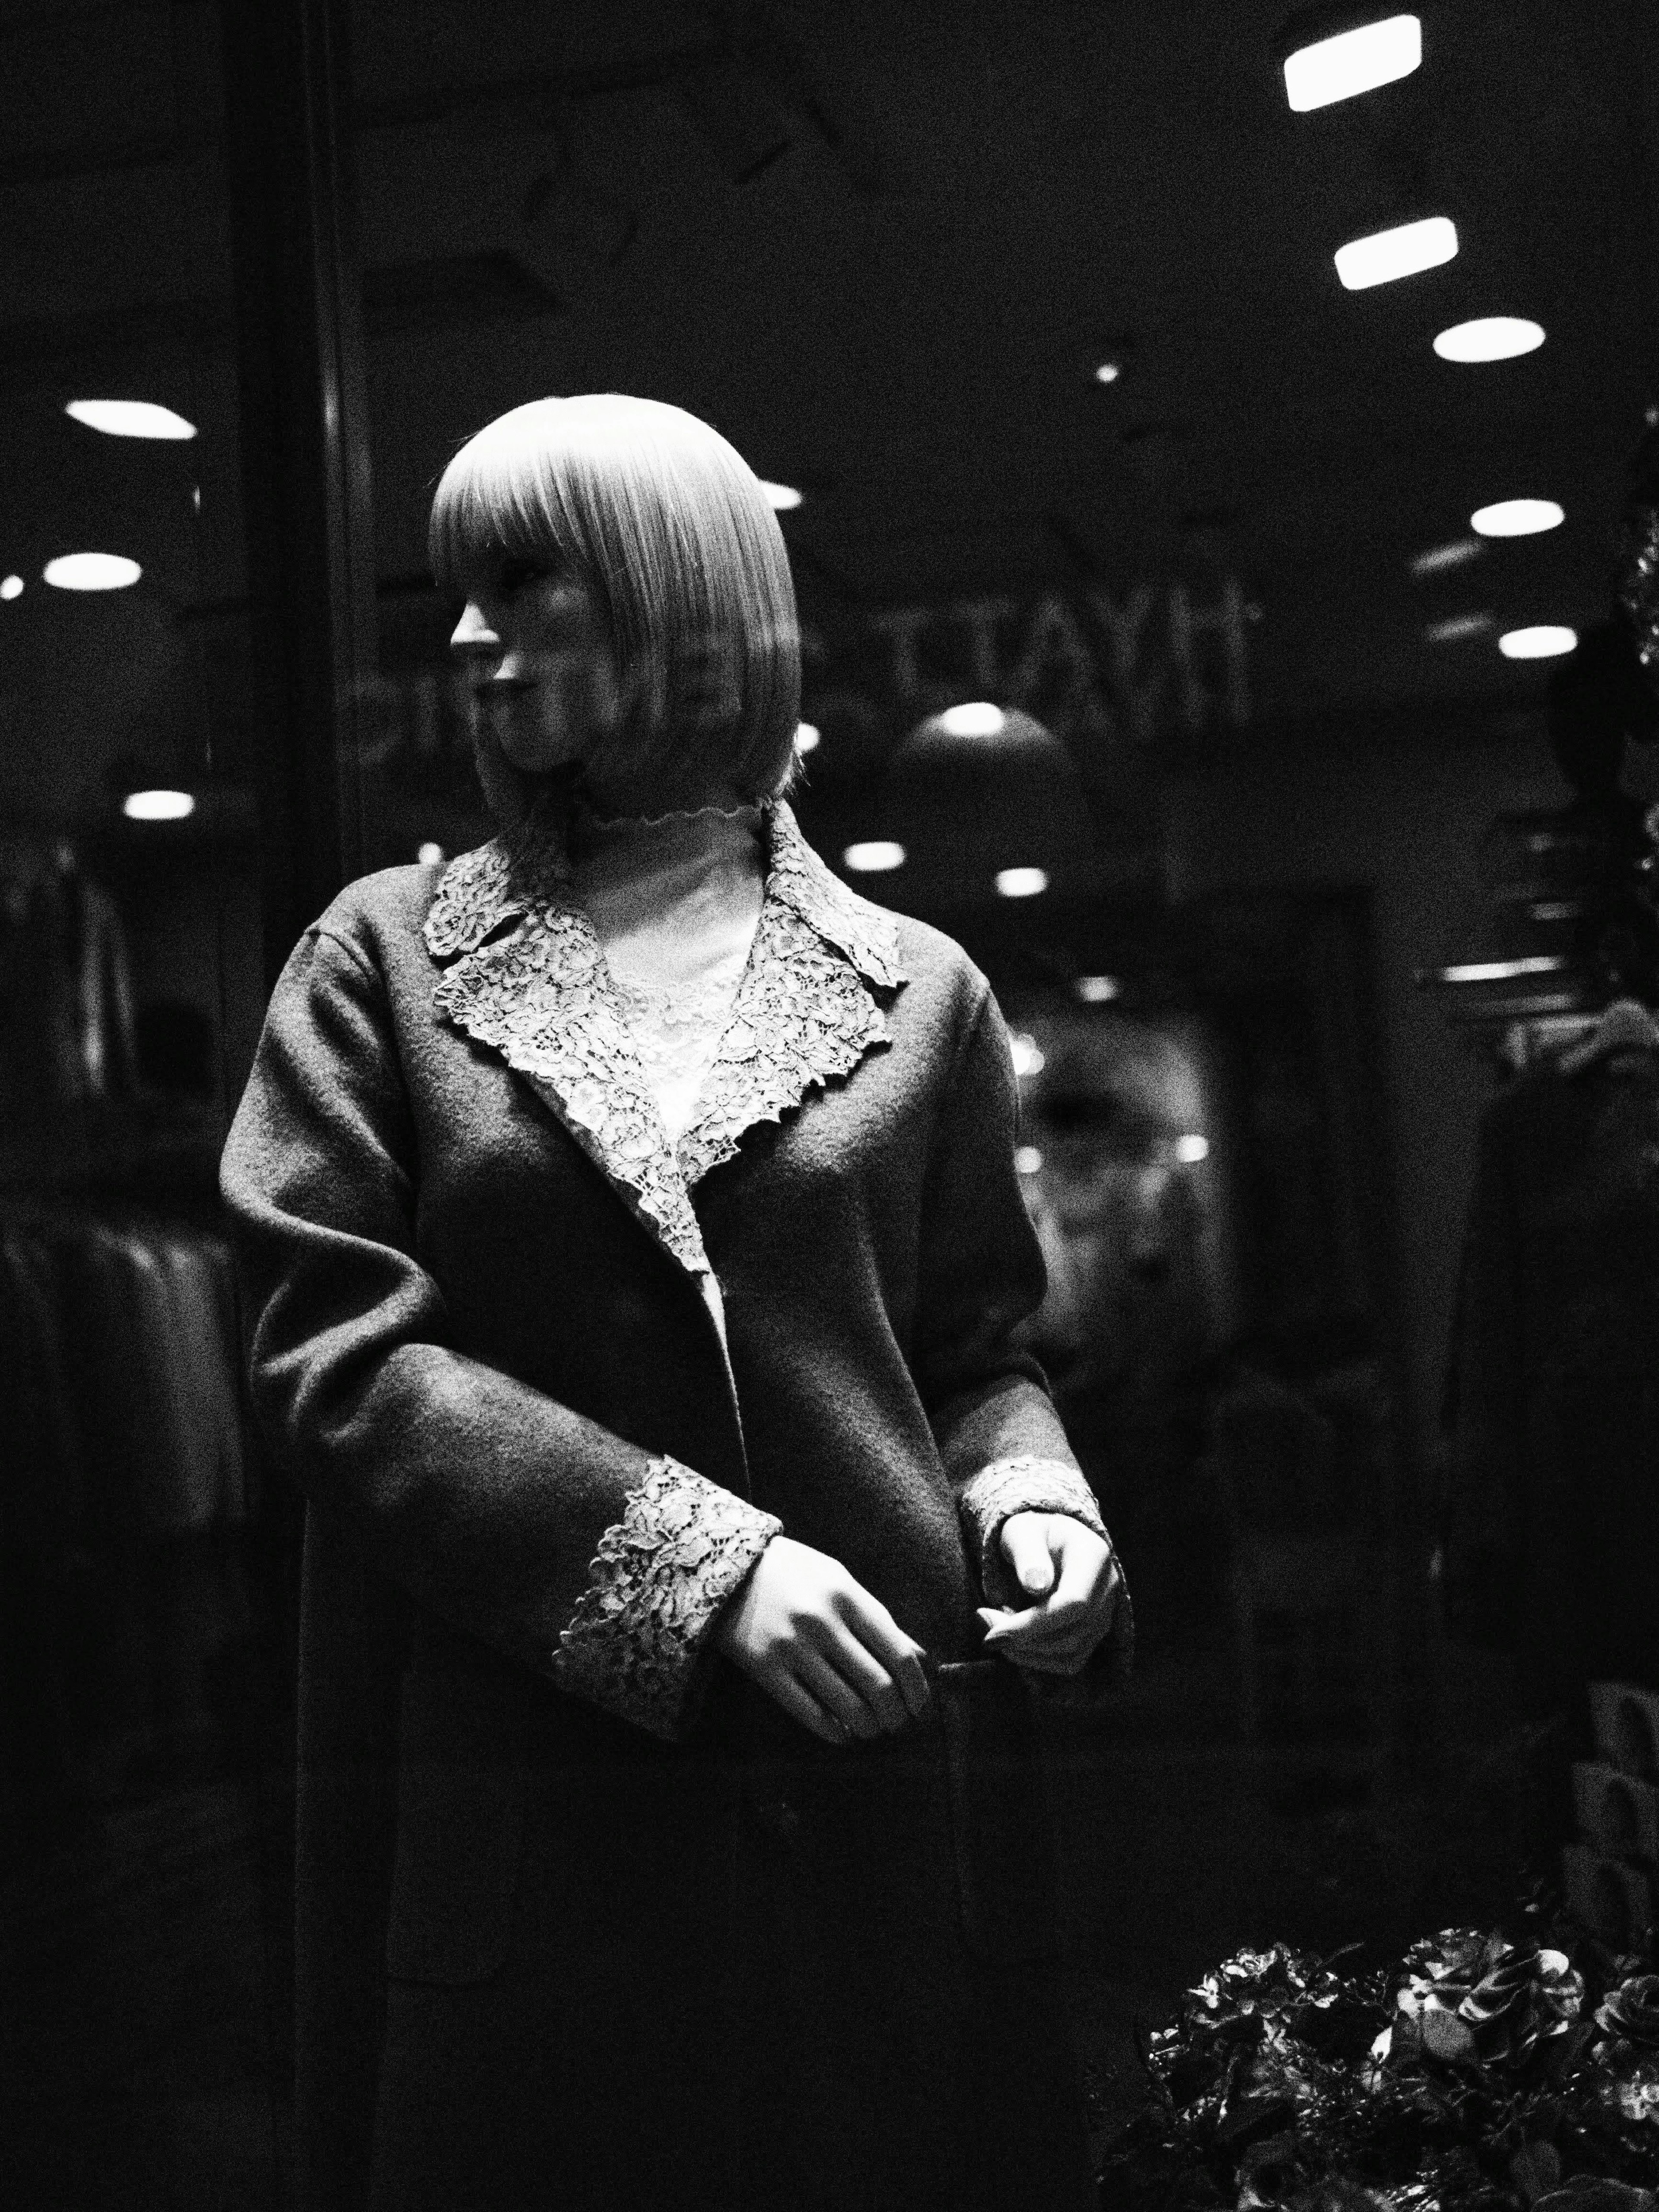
[1022,1486]
[658,1583]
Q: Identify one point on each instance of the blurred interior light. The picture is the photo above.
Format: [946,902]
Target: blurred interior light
[1190,1150]
[1453,627]
[431,856]
[782,496]
[1021,882]
[91,572]
[1516,518]
[1490,337]
[157,805]
[1027,1159]
[1434,560]
[1387,255]
[973,718]
[11,587]
[1538,642]
[1108,371]
[129,418]
[1028,1057]
[1502,971]
[873,856]
[1097,990]
[1352,62]
[808,736]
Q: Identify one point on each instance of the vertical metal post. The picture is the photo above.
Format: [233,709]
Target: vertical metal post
[305,443]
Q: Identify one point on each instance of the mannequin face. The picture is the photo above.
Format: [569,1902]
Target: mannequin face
[540,667]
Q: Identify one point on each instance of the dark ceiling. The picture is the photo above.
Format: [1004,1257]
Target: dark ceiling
[883,247]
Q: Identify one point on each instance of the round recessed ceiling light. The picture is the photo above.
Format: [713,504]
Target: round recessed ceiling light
[1027,1160]
[129,418]
[1097,990]
[1538,642]
[1190,1150]
[1516,518]
[1388,255]
[431,854]
[157,805]
[1453,627]
[781,496]
[874,856]
[11,587]
[1490,337]
[1021,882]
[91,572]
[1108,371]
[973,718]
[808,736]
[1027,1055]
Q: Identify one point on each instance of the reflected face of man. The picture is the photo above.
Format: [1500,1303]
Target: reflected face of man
[540,667]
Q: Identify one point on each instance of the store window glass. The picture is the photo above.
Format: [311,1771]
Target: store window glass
[1150,650]
[143,1583]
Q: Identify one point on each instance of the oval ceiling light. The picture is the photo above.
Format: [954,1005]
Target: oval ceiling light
[973,718]
[780,497]
[129,418]
[1190,1150]
[1027,1055]
[91,572]
[1027,1160]
[1097,990]
[11,587]
[1453,628]
[430,854]
[1021,882]
[1108,371]
[157,805]
[808,736]
[1388,255]
[1516,518]
[874,856]
[1538,642]
[1352,62]
[1490,337]
[1434,559]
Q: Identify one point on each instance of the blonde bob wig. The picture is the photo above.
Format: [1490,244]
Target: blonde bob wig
[669,528]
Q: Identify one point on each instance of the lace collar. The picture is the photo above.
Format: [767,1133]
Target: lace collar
[810,1004]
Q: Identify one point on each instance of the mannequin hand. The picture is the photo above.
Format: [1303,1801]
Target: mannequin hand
[1074,1576]
[815,1639]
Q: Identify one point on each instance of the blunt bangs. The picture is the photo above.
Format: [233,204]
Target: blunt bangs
[668,527]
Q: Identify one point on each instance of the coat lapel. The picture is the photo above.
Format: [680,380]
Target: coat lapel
[540,994]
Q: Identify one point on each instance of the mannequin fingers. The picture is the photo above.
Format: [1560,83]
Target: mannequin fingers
[836,1694]
[870,1638]
[801,1705]
[865,1675]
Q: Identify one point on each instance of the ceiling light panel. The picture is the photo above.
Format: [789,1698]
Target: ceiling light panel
[1386,256]
[1537,641]
[1353,62]
[129,418]
[1516,518]
[1490,337]
[91,572]
[782,497]
[873,856]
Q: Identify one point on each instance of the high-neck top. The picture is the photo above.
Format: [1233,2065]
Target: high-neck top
[675,900]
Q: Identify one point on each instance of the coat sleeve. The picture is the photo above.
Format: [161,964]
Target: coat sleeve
[510,1515]
[982,1274]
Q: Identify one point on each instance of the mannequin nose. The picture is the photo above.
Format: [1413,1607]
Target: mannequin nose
[472,633]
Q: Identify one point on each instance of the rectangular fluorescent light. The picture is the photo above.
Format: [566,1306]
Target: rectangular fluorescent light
[1503,971]
[1387,255]
[1353,62]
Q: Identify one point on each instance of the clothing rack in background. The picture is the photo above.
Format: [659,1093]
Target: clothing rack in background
[126,1492]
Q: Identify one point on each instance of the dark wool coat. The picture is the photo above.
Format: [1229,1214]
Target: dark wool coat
[583,1918]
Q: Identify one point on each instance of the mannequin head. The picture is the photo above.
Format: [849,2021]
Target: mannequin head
[628,605]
